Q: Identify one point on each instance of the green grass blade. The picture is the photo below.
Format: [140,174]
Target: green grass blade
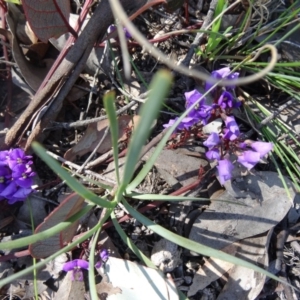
[71,182]
[92,283]
[159,88]
[108,100]
[130,243]
[45,234]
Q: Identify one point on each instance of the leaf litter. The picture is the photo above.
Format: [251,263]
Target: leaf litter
[248,231]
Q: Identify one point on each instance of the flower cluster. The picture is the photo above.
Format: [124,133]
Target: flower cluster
[222,146]
[16,175]
[77,265]
[201,111]
[248,152]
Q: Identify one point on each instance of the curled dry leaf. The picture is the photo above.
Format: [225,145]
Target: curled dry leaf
[32,74]
[93,135]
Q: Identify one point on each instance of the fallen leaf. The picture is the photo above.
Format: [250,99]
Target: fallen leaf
[71,205]
[32,74]
[185,169]
[70,289]
[223,223]
[241,280]
[135,281]
[93,135]
[244,283]
[47,18]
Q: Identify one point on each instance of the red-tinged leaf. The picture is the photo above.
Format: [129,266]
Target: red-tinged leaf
[68,207]
[48,18]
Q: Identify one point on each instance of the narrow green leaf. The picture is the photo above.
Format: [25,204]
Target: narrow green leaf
[45,234]
[159,88]
[110,108]
[92,283]
[130,243]
[70,181]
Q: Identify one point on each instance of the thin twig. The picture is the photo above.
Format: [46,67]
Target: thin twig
[86,122]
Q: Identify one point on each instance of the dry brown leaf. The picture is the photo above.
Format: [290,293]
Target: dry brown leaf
[47,18]
[224,223]
[71,205]
[93,135]
[243,283]
[185,169]
[32,74]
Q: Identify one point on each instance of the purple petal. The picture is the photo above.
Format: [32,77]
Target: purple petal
[20,195]
[192,97]
[70,265]
[222,74]
[216,75]
[104,254]
[186,123]
[225,168]
[225,100]
[171,123]
[10,189]
[17,157]
[249,159]
[3,158]
[262,148]
[83,264]
[243,145]
[127,33]
[113,28]
[212,140]
[228,135]
[232,76]
[213,154]
[231,124]
[233,131]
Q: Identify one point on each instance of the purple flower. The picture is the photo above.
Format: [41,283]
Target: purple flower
[18,157]
[249,159]
[9,190]
[15,175]
[213,154]
[212,140]
[200,112]
[232,131]
[103,258]
[76,267]
[185,123]
[222,74]
[22,176]
[226,101]
[225,168]
[262,148]
[20,195]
